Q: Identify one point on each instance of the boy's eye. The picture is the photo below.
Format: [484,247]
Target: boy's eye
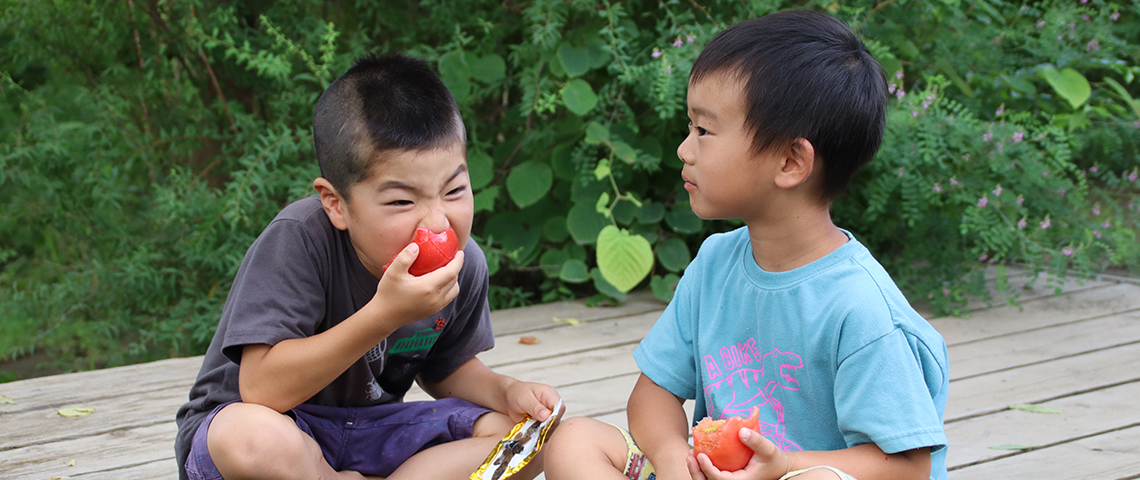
[700,131]
[400,203]
[457,190]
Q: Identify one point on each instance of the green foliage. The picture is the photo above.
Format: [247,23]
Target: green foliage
[146,144]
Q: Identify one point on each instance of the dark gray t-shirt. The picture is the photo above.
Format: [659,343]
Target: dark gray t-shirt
[301,277]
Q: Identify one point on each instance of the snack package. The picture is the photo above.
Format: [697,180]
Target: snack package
[516,449]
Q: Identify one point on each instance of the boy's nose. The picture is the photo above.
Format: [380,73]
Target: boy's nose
[685,150]
[436,220]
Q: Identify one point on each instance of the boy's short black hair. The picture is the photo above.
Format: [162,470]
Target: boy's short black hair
[384,102]
[805,75]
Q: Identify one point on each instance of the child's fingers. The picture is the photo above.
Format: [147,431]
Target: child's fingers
[694,468]
[404,259]
[758,443]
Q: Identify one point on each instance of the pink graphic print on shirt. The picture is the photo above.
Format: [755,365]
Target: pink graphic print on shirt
[752,379]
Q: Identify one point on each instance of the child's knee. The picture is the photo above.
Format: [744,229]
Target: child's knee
[492,424]
[581,437]
[249,437]
[818,473]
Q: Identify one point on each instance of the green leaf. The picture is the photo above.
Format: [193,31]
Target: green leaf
[603,204]
[624,151]
[664,287]
[682,219]
[460,88]
[528,182]
[6,400]
[673,254]
[584,223]
[555,229]
[651,213]
[575,61]
[579,96]
[489,69]
[596,133]
[454,66]
[1027,407]
[1011,446]
[562,161]
[623,259]
[957,80]
[602,170]
[481,167]
[574,271]
[485,200]
[1069,84]
[603,286]
[551,262]
[599,52]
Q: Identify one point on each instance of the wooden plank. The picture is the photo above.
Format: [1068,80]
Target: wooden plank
[44,425]
[567,340]
[1042,382]
[1052,310]
[109,452]
[1081,416]
[1111,455]
[540,317]
[99,385]
[1043,344]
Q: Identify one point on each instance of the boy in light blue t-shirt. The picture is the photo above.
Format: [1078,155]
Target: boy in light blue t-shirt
[790,314]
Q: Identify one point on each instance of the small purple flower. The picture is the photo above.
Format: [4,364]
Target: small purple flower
[1013,165]
[1093,45]
[1085,17]
[945,292]
[1044,174]
[1136,124]
[1068,251]
[1021,224]
[899,75]
[900,172]
[1093,169]
[1115,16]
[1096,233]
[982,202]
[891,87]
[966,157]
[1106,224]
[1000,110]
[987,136]
[914,113]
[656,53]
[900,93]
[1041,24]
[983,258]
[1020,200]
[1096,209]
[1061,192]
[1000,148]
[668,69]
[1045,224]
[1017,137]
[937,188]
[1133,176]
[690,39]
[678,42]
[1060,37]
[1072,26]
[997,191]
[953,182]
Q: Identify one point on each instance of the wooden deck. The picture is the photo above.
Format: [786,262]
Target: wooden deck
[1077,352]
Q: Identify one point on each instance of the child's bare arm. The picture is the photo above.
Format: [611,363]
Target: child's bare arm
[282,376]
[860,461]
[658,423]
[478,384]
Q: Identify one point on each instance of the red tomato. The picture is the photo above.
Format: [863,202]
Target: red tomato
[436,249]
[720,440]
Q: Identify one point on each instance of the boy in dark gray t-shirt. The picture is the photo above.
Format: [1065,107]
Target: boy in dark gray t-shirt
[321,338]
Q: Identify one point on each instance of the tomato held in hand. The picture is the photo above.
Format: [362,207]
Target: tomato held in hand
[720,440]
[436,249]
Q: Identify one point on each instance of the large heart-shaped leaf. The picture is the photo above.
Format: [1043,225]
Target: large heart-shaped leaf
[1069,84]
[623,259]
[575,61]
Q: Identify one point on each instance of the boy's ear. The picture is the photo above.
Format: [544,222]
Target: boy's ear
[335,205]
[797,164]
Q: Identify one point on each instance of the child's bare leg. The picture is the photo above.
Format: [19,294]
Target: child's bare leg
[253,442]
[458,459]
[585,448]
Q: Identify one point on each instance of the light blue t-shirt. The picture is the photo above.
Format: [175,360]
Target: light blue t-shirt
[831,353]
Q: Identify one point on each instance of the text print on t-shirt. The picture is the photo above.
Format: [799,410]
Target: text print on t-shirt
[751,379]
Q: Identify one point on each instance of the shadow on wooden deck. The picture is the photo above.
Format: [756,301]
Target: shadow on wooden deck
[1076,352]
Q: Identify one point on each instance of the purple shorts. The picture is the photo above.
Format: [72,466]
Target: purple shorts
[371,440]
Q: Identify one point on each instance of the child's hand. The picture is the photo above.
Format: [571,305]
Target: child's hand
[768,463]
[407,298]
[530,399]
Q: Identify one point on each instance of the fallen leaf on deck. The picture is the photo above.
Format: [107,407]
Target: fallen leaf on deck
[572,321]
[75,412]
[528,340]
[6,400]
[1011,446]
[71,463]
[57,478]
[1025,407]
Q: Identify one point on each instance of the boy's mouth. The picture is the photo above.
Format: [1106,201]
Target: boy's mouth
[689,184]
